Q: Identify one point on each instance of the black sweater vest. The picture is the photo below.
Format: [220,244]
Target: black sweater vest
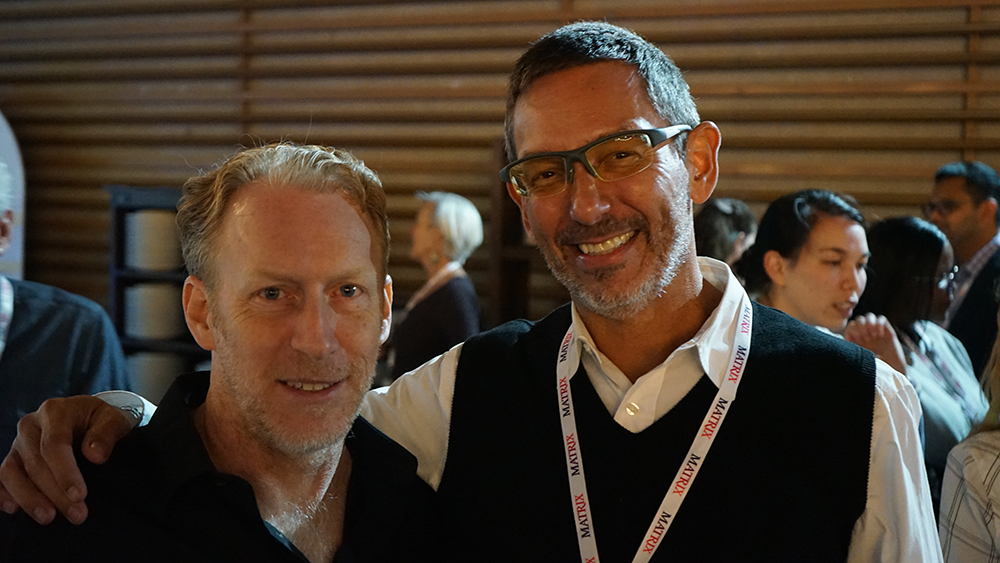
[785,480]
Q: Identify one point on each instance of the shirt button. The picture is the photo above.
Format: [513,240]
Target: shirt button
[632,409]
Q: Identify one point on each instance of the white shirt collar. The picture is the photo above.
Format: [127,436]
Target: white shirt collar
[711,343]
[636,406]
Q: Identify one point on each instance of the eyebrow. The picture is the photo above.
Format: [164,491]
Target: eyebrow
[840,251]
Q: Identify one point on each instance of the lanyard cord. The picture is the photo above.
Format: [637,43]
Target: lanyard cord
[569,359]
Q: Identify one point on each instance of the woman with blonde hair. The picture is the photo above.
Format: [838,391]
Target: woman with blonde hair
[445,310]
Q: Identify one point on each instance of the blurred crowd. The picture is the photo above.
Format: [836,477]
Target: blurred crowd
[921,293]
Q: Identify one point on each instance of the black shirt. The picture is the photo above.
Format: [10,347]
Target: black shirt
[159,498]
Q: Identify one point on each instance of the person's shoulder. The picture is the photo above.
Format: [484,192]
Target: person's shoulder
[116,513]
[370,447]
[511,331]
[935,335]
[991,267]
[519,338]
[978,445]
[42,296]
[457,292]
[781,333]
[25,541]
[977,456]
[459,284]
[385,487]
[995,257]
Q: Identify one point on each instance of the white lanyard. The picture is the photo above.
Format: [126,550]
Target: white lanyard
[569,359]
[6,309]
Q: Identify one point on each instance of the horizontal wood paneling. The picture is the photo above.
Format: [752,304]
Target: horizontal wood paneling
[865,97]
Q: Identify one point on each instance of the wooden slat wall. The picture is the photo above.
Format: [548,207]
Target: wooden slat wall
[865,97]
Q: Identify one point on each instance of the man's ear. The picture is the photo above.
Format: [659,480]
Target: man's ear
[703,160]
[775,266]
[6,228]
[386,310]
[520,205]
[196,312]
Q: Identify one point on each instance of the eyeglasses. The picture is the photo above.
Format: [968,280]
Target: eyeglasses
[609,158]
[947,281]
[945,207]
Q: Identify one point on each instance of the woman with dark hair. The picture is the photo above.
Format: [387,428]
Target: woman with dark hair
[810,261]
[909,283]
[809,258]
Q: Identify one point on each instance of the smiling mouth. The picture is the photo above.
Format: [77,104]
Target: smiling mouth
[303,386]
[607,246]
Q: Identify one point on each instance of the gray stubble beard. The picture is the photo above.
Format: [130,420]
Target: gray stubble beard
[620,307]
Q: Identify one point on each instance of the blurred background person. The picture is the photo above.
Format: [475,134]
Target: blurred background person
[810,261]
[969,525]
[724,228]
[809,258]
[964,206]
[910,280]
[445,310]
[52,343]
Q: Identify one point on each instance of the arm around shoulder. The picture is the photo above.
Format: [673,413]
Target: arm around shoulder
[415,411]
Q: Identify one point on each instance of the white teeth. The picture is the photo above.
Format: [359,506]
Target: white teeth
[308,386]
[606,246]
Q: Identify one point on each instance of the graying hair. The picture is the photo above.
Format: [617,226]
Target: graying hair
[459,222]
[584,43]
[322,169]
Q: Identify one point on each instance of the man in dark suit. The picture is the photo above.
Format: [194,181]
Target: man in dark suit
[964,206]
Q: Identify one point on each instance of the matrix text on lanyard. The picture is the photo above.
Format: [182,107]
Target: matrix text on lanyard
[568,356]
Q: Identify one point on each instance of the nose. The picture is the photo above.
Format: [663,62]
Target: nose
[855,279]
[586,204]
[315,328]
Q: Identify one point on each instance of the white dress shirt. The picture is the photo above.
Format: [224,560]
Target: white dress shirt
[898,521]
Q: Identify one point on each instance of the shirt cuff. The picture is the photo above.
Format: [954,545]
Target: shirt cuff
[134,405]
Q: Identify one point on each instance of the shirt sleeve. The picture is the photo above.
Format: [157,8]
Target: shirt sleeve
[898,521]
[139,409]
[969,518]
[415,411]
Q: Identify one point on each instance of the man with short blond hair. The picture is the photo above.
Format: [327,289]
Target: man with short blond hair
[263,458]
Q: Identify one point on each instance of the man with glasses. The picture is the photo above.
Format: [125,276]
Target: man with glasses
[580,436]
[964,206]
